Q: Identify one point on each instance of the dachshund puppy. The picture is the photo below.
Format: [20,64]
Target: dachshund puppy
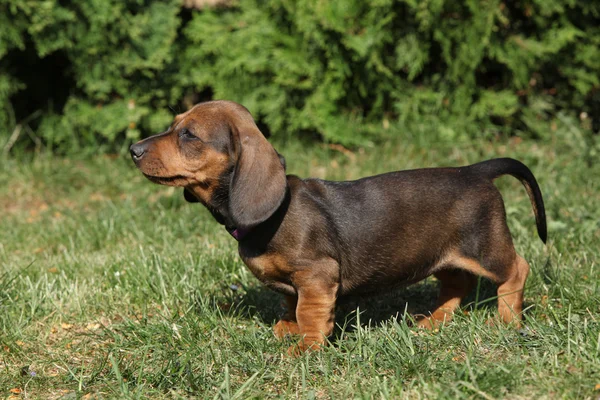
[314,240]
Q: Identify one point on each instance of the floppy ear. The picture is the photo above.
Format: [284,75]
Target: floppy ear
[189,196]
[258,184]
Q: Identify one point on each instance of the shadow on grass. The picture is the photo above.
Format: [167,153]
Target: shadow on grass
[259,302]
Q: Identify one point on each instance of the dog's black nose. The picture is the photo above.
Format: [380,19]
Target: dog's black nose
[137,150]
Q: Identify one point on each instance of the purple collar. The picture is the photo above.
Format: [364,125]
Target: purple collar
[237,233]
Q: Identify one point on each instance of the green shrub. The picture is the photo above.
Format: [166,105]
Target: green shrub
[351,71]
[445,69]
[120,69]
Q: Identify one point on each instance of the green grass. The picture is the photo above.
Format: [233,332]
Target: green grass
[113,287]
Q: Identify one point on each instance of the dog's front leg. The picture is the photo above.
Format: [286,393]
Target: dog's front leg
[315,311]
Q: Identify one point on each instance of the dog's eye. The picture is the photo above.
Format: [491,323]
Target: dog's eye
[185,134]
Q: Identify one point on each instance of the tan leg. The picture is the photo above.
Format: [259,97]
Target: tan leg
[288,324]
[314,313]
[510,292]
[456,284]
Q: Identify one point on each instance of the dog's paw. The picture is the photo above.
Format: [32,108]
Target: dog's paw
[303,346]
[434,321]
[284,328]
[429,323]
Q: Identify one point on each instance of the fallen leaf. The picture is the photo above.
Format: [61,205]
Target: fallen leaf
[92,326]
[597,387]
[15,390]
[53,270]
[572,369]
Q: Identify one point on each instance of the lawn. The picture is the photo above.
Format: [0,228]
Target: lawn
[113,287]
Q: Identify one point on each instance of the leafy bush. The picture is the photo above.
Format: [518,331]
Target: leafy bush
[446,69]
[111,66]
[351,71]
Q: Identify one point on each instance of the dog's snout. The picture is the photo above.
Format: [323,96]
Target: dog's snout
[137,150]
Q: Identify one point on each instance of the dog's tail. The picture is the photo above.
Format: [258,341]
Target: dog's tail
[508,166]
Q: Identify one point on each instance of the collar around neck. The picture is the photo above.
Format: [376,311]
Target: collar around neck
[237,233]
[275,219]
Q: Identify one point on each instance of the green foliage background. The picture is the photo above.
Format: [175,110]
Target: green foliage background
[78,73]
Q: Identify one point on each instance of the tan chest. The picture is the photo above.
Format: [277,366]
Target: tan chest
[272,270]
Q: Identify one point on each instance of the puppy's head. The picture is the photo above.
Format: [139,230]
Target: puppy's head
[217,153]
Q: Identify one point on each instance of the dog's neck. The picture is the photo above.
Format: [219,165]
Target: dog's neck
[215,197]
[261,232]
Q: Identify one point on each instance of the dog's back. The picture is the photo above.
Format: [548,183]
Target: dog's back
[395,228]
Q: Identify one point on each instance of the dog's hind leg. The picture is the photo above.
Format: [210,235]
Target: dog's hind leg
[510,292]
[455,285]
